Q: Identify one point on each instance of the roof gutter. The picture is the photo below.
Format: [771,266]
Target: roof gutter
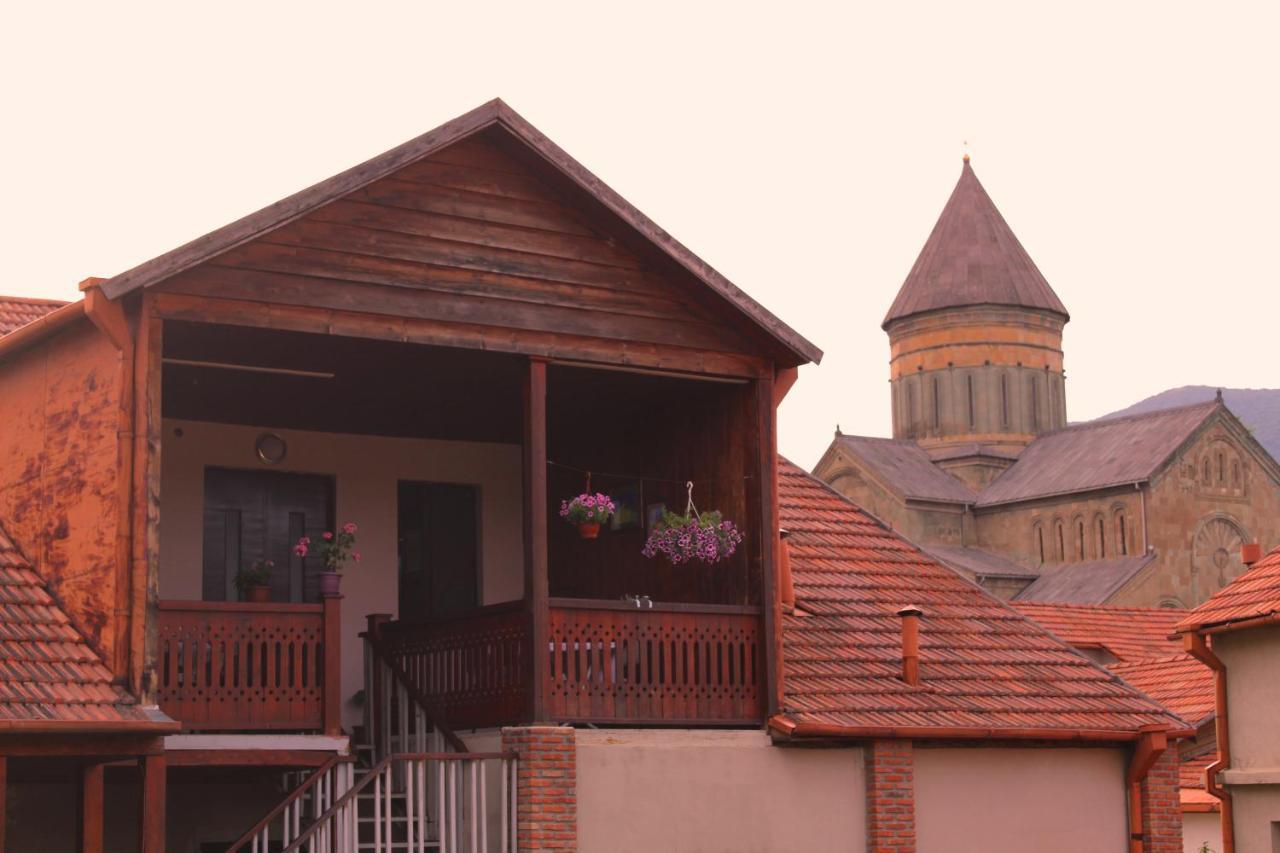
[789,729]
[1197,646]
[41,328]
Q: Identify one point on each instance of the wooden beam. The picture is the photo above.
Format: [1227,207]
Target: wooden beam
[247,757]
[333,665]
[536,587]
[766,447]
[90,823]
[151,832]
[143,579]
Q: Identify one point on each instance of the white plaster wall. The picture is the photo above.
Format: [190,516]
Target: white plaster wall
[1252,657]
[991,800]
[681,791]
[1200,828]
[366,470]
[1256,816]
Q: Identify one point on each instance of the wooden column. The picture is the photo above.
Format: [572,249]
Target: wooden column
[91,790]
[767,450]
[332,711]
[4,798]
[151,832]
[145,521]
[535,532]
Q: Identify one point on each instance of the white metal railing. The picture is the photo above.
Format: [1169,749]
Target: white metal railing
[420,802]
[306,803]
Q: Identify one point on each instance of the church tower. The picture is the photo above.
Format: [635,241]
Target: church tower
[975,339]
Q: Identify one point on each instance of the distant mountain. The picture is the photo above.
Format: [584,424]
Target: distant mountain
[1257,408]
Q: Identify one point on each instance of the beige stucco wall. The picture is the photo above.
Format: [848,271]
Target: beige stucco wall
[708,791]
[1199,829]
[1256,818]
[366,470]
[1047,800]
[1252,658]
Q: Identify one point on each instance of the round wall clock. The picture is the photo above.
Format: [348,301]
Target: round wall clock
[270,448]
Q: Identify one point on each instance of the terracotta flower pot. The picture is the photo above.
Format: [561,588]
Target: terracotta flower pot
[588,530]
[330,584]
[257,594]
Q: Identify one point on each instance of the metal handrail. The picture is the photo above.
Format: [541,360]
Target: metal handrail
[428,707]
[297,794]
[378,770]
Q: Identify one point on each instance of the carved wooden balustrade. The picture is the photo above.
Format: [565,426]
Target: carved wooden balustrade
[675,664]
[238,667]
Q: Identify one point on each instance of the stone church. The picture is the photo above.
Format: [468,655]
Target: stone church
[985,473]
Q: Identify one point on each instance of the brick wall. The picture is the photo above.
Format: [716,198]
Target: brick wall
[891,812]
[1161,807]
[546,783]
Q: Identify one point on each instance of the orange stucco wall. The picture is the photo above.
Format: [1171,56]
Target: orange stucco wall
[1047,800]
[59,477]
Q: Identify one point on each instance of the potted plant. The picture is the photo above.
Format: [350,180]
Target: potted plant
[588,512]
[683,538]
[333,549]
[254,583]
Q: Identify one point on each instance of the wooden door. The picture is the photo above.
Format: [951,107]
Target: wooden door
[439,530]
[260,515]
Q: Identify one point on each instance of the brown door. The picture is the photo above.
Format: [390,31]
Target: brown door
[260,515]
[439,549]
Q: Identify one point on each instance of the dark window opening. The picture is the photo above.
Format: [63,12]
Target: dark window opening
[1004,399]
[1040,541]
[439,536]
[937,404]
[972,414]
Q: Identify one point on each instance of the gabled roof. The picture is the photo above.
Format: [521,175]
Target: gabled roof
[1179,682]
[50,678]
[1251,599]
[906,469]
[975,561]
[495,113]
[18,311]
[1096,455]
[1132,634]
[1085,582]
[985,669]
[972,258]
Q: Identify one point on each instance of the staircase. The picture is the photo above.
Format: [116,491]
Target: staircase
[410,785]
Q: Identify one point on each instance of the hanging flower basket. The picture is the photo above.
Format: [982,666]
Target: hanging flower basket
[683,538]
[587,512]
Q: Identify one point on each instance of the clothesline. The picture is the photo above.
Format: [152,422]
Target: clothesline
[616,476]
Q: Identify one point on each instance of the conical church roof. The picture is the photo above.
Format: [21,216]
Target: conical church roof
[972,258]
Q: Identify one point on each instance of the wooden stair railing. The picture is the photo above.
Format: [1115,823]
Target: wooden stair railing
[287,820]
[399,717]
[454,786]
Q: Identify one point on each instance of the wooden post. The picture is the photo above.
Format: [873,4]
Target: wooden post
[373,694]
[767,449]
[4,798]
[332,712]
[145,515]
[91,789]
[535,532]
[151,833]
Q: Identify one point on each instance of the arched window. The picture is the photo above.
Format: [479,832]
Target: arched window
[1062,541]
[1035,404]
[1235,474]
[1004,399]
[1208,472]
[1122,534]
[911,409]
[937,404]
[1040,541]
[1222,468]
[1080,555]
[972,413]
[1100,527]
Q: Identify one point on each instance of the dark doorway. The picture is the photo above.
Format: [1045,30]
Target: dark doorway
[260,515]
[439,549]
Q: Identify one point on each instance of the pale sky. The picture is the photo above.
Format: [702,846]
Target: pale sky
[804,150]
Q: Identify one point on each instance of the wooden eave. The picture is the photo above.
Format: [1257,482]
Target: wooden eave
[796,349]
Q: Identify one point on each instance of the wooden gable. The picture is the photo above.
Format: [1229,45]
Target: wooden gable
[491,227]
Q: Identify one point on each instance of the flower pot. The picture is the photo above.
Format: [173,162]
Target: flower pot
[330,584]
[588,530]
[257,594]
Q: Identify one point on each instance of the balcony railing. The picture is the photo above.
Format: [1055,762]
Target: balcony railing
[237,667]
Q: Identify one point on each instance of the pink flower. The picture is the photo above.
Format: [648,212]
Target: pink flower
[328,535]
[355,555]
[349,527]
[300,549]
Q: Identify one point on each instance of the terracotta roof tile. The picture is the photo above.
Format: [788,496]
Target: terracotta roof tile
[48,672]
[972,258]
[18,311]
[1252,596]
[1191,771]
[1096,455]
[983,664]
[1179,682]
[1132,634]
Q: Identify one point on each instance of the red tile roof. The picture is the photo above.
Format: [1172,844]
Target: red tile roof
[1191,771]
[18,311]
[1179,682]
[1132,634]
[972,258]
[1097,455]
[984,667]
[49,675]
[1252,597]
